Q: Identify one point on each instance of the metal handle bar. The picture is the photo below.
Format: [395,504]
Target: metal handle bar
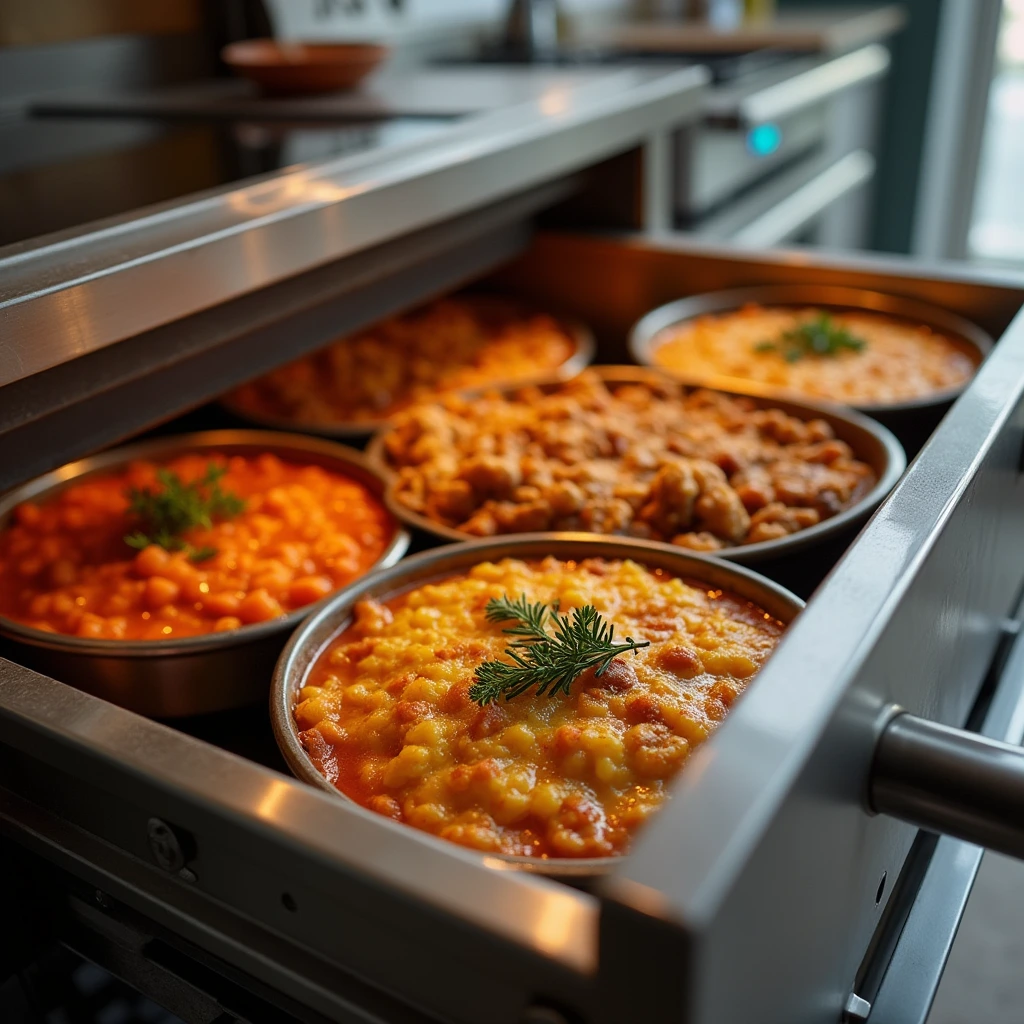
[814,86]
[949,781]
[787,218]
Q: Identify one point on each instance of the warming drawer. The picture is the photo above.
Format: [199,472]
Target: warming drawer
[182,857]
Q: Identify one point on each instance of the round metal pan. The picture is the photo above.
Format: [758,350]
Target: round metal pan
[871,443]
[359,430]
[335,615]
[188,675]
[644,341]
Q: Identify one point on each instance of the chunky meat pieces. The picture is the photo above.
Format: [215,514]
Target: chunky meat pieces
[700,469]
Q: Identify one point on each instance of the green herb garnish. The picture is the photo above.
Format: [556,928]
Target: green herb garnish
[818,337]
[165,514]
[551,662]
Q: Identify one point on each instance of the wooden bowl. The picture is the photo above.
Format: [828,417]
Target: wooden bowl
[302,68]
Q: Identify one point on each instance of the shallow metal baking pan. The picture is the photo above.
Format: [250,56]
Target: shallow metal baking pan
[335,614]
[644,337]
[870,441]
[359,430]
[189,675]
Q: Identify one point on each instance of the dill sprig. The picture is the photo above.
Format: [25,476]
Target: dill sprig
[820,336]
[549,662]
[165,514]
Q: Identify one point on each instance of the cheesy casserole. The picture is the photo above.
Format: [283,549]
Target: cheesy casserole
[386,715]
[896,362]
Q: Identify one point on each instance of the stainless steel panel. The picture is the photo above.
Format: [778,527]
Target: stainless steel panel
[77,295]
[433,925]
[777,884]
[750,898]
[51,418]
[903,994]
[911,615]
[787,205]
[715,164]
[817,85]
[785,221]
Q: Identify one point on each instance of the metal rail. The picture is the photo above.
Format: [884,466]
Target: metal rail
[950,781]
[71,410]
[904,991]
[77,295]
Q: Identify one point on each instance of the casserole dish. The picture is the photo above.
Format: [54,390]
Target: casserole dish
[192,674]
[317,378]
[912,417]
[870,443]
[313,638]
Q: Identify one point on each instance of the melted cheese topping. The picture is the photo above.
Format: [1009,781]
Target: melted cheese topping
[386,715]
[900,361]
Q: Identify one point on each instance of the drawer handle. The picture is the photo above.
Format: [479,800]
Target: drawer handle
[950,781]
[814,86]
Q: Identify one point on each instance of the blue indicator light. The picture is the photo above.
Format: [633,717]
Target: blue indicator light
[764,139]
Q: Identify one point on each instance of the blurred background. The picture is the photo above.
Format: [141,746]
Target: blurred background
[941,128]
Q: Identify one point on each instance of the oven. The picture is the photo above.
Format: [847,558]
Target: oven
[182,858]
[785,150]
[839,805]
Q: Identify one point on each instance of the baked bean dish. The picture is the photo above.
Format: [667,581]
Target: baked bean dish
[700,469]
[852,357]
[449,345]
[391,717]
[108,558]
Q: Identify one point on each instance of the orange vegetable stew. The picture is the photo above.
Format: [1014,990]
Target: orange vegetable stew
[302,532]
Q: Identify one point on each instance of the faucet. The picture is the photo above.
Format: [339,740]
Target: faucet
[532,28]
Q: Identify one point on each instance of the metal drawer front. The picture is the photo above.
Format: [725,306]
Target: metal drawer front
[750,898]
[777,885]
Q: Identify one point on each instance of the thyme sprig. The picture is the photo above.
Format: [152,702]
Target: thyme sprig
[549,662]
[165,514]
[821,336]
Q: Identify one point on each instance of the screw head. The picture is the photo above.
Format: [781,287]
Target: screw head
[164,845]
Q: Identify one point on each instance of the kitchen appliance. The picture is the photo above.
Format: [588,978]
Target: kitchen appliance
[184,859]
[784,153]
[268,897]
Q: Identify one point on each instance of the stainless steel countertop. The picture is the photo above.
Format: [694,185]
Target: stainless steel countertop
[832,30]
[76,293]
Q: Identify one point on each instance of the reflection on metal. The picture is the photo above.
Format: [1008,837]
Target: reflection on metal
[791,216]
[111,284]
[856,1009]
[813,86]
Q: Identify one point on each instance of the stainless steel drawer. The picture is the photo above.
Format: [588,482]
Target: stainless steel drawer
[754,896]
